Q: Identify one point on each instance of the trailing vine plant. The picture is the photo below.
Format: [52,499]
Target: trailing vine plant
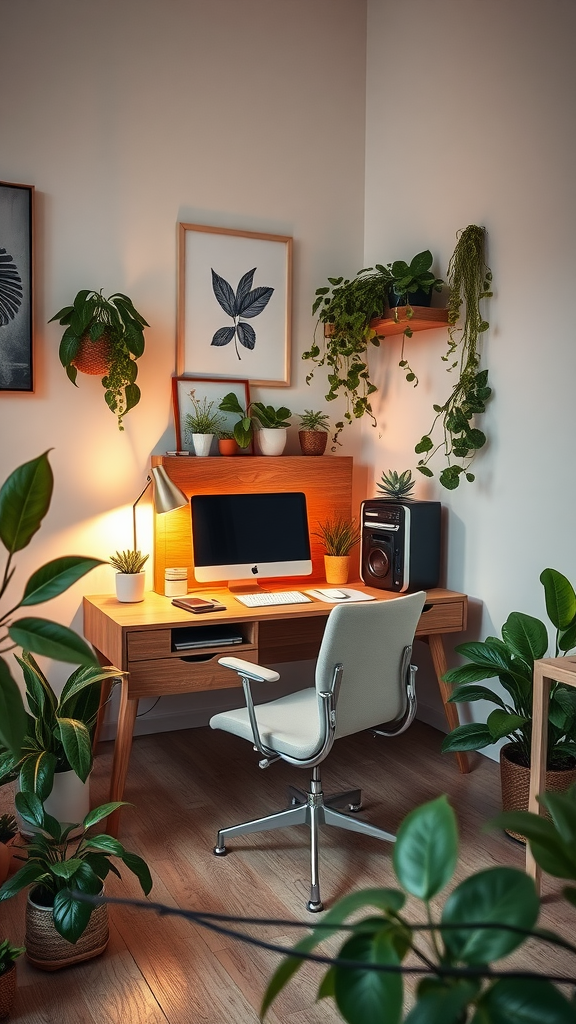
[469,280]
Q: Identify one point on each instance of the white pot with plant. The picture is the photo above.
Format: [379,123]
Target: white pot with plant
[313,433]
[202,425]
[273,431]
[339,534]
[130,577]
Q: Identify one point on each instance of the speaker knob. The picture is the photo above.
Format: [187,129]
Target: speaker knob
[378,562]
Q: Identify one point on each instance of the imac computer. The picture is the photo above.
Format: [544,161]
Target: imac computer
[250,536]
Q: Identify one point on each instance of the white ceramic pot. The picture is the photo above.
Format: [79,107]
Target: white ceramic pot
[272,440]
[202,443]
[69,801]
[130,586]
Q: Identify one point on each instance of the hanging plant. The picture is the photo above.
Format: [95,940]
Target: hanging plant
[469,280]
[104,337]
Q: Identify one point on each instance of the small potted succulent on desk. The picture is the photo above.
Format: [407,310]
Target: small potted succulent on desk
[8,957]
[339,534]
[202,425]
[313,433]
[397,486]
[130,575]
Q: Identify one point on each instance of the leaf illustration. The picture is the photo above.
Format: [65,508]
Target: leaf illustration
[223,336]
[255,301]
[10,288]
[224,294]
[244,287]
[246,335]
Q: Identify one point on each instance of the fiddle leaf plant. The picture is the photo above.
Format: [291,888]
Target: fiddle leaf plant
[25,499]
[470,281]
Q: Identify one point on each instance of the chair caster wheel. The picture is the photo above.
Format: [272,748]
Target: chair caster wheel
[220,851]
[354,808]
[314,907]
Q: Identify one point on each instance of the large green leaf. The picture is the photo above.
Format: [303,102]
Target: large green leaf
[71,916]
[24,501]
[37,774]
[559,597]
[42,700]
[426,848]
[77,745]
[548,848]
[30,873]
[562,807]
[524,1001]
[471,693]
[495,896]
[12,714]
[442,1002]
[57,576]
[526,636]
[138,867]
[361,993]
[467,737]
[51,639]
[502,723]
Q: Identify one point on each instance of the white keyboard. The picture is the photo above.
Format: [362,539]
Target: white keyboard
[264,600]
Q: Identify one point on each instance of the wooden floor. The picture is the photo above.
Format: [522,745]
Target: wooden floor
[184,785]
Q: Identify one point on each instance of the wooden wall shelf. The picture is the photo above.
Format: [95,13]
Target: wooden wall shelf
[425,318]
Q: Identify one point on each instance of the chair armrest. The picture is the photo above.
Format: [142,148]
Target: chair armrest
[246,668]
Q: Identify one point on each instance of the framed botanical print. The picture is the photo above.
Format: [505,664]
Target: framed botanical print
[234,304]
[16,292]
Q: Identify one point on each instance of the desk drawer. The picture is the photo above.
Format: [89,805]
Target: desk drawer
[185,674]
[153,644]
[445,617]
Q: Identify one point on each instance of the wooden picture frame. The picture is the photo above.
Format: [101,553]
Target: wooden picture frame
[234,305]
[213,390]
[16,287]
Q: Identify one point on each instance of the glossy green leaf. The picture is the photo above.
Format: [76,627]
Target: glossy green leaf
[360,994]
[57,576]
[524,1001]
[37,773]
[103,811]
[526,636]
[138,867]
[51,639]
[443,1002]
[426,848]
[550,851]
[77,746]
[12,714]
[503,723]
[562,807]
[474,736]
[471,693]
[24,501]
[560,598]
[495,896]
[24,877]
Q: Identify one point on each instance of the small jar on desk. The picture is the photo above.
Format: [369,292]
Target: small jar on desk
[176,582]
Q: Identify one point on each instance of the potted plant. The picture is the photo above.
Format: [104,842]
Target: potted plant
[273,423]
[470,281]
[339,534]
[345,308]
[56,759]
[8,832]
[8,957]
[313,433]
[24,501]
[227,443]
[202,424]
[104,337]
[130,577]
[61,930]
[398,486]
[511,661]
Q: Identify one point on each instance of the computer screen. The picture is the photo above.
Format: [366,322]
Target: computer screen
[242,536]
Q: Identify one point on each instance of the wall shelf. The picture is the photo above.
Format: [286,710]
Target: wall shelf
[425,318]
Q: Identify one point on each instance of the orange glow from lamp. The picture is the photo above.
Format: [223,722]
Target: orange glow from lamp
[167,497]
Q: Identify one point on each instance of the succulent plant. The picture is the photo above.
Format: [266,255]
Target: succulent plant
[8,955]
[129,562]
[8,827]
[310,420]
[397,485]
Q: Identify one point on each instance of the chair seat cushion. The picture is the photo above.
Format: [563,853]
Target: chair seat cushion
[289,725]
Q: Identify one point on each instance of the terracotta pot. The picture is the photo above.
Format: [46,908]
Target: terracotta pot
[93,356]
[313,442]
[8,862]
[130,586]
[515,782]
[337,568]
[228,446]
[7,991]
[45,947]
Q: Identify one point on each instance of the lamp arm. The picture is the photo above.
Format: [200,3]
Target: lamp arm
[141,495]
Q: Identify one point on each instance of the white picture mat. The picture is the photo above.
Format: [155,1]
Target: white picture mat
[232,255]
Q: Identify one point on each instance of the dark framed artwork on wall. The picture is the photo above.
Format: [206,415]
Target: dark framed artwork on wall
[16,287]
[234,304]
[191,392]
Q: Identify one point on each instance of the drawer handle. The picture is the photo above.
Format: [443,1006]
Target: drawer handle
[427,608]
[198,657]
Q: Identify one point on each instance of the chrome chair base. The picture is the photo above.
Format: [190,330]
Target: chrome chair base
[313,810]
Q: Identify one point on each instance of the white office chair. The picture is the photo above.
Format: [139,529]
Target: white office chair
[363,679]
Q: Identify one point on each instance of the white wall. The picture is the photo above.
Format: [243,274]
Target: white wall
[128,118]
[470,113]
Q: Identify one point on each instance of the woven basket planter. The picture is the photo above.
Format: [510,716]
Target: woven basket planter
[93,357]
[515,781]
[45,947]
[7,990]
[313,442]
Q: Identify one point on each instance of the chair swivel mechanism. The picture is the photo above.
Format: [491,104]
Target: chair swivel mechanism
[363,678]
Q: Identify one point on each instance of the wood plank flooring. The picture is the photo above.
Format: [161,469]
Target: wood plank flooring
[184,786]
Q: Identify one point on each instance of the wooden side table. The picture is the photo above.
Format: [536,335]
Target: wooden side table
[546,672]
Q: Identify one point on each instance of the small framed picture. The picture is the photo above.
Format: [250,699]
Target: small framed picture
[16,291]
[234,304]
[190,394]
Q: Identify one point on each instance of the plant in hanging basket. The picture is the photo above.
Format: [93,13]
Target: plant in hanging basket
[104,337]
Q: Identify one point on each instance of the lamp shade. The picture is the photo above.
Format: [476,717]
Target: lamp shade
[167,496]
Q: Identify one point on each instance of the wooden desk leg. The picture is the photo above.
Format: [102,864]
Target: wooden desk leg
[105,691]
[538,755]
[122,748]
[450,710]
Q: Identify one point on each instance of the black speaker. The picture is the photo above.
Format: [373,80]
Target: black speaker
[400,547]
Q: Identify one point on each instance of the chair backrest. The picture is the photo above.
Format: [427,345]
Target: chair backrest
[368,639]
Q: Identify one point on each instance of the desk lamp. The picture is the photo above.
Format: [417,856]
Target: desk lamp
[167,497]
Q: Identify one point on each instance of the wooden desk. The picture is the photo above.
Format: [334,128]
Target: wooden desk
[546,672]
[138,638]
